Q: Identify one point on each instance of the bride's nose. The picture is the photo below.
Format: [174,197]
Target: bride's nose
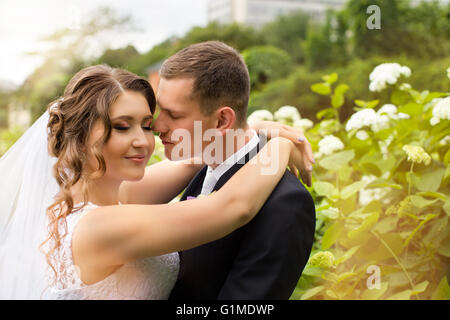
[140,140]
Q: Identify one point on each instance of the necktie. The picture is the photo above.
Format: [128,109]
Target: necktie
[209,182]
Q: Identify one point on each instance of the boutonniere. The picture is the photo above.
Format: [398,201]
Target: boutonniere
[199,196]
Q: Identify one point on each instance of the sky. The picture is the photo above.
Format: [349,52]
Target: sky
[24,22]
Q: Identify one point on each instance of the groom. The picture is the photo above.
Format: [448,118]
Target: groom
[209,82]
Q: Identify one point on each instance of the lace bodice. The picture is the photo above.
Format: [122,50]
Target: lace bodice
[149,278]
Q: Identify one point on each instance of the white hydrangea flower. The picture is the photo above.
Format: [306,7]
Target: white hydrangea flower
[379,123]
[369,118]
[287,113]
[441,111]
[303,124]
[405,86]
[386,73]
[330,144]
[260,115]
[417,154]
[367,195]
[391,111]
[362,135]
[388,109]
[444,141]
[400,116]
[448,72]
[360,119]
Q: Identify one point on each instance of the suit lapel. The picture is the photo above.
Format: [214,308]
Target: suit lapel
[194,187]
[238,165]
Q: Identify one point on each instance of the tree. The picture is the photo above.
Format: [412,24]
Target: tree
[118,58]
[238,36]
[69,52]
[287,32]
[266,63]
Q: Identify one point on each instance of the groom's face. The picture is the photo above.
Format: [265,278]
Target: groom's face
[179,111]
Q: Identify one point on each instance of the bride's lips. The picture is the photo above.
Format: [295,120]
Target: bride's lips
[139,158]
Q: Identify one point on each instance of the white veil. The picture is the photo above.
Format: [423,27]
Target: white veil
[27,188]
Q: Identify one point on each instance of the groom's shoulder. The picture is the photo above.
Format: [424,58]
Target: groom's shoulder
[290,193]
[288,185]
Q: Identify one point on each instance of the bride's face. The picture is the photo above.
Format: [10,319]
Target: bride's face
[131,142]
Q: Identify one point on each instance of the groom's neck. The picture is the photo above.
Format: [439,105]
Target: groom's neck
[233,141]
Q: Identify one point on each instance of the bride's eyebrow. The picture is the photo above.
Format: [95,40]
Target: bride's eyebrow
[130,118]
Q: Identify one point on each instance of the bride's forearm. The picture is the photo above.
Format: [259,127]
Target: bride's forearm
[162,182]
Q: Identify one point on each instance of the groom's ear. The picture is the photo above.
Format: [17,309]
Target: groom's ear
[225,118]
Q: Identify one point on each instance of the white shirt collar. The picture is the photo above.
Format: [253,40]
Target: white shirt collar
[234,158]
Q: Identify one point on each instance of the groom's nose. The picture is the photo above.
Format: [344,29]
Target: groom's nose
[159,125]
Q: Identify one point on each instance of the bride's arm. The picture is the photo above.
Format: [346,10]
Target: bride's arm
[276,129]
[114,235]
[161,183]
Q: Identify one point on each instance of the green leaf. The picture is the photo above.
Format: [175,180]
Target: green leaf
[442,291]
[324,189]
[366,104]
[404,295]
[347,255]
[321,88]
[337,99]
[430,181]
[434,95]
[447,157]
[384,185]
[430,194]
[325,113]
[399,97]
[312,292]
[345,275]
[444,248]
[421,202]
[335,161]
[374,294]
[428,217]
[446,207]
[312,271]
[368,222]
[331,235]
[412,108]
[330,78]
[447,171]
[421,287]
[372,104]
[386,224]
[360,103]
[350,190]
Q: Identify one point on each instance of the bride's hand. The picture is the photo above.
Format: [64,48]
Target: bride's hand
[304,156]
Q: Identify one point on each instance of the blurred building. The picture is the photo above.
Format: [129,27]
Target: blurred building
[256,13]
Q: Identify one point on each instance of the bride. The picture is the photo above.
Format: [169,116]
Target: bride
[65,188]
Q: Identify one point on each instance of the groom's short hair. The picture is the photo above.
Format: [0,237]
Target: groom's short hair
[220,76]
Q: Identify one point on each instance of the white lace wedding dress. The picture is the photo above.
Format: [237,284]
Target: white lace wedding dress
[146,279]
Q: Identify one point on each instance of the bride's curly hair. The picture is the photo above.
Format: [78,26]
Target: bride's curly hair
[87,98]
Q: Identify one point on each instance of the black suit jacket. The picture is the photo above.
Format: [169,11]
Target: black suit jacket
[263,259]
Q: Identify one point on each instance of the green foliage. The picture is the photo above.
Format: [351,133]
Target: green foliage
[396,220]
[295,88]
[287,32]
[238,36]
[266,63]
[8,138]
[118,58]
